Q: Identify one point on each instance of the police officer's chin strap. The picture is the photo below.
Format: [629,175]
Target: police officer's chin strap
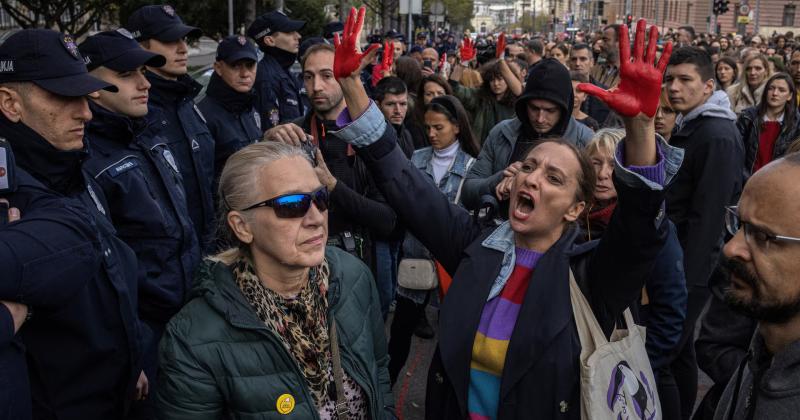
[58,169]
[285,58]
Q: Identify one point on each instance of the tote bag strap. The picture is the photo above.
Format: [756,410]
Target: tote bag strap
[589,331]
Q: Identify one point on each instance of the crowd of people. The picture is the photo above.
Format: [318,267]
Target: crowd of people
[244,255]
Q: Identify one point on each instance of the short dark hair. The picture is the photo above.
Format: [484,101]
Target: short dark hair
[391,85]
[581,46]
[536,46]
[697,56]
[689,29]
[315,49]
[615,28]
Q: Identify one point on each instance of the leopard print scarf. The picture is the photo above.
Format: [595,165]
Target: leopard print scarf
[301,322]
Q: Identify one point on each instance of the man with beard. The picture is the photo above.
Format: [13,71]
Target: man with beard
[277,90]
[353,209]
[607,73]
[763,259]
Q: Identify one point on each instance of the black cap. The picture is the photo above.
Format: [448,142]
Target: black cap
[393,34]
[159,22]
[236,47]
[269,23]
[49,59]
[310,42]
[118,51]
[331,28]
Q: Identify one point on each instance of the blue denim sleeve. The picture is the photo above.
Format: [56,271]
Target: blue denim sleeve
[656,176]
[365,130]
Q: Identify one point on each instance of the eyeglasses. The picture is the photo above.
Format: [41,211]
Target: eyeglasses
[759,237]
[296,205]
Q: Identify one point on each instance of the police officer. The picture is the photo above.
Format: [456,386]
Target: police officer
[229,104]
[279,97]
[159,29]
[82,342]
[140,179]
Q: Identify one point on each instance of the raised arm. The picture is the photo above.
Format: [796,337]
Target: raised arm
[444,228]
[513,82]
[644,164]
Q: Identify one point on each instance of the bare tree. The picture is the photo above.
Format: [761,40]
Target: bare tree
[68,16]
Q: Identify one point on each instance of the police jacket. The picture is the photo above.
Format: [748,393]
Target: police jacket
[232,120]
[187,135]
[137,173]
[278,92]
[83,341]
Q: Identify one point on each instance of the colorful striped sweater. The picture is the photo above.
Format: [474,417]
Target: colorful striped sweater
[491,340]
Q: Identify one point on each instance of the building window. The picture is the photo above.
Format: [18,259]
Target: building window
[788,15]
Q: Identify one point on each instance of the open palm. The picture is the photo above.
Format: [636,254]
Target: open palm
[640,79]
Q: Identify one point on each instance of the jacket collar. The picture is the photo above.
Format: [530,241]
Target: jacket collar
[422,160]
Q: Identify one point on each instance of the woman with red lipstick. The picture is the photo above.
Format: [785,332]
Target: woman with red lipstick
[279,321]
[508,344]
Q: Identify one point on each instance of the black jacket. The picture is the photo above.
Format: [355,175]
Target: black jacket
[749,126]
[594,107]
[187,135]
[232,119]
[278,93]
[138,175]
[709,179]
[83,342]
[541,373]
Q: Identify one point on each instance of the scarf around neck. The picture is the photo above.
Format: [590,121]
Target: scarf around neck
[232,100]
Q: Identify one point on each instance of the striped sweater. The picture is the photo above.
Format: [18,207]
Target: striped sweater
[491,340]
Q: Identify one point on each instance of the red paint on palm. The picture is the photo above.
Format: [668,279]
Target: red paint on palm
[501,45]
[468,50]
[348,57]
[640,79]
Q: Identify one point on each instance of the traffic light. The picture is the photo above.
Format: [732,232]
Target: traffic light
[629,20]
[723,7]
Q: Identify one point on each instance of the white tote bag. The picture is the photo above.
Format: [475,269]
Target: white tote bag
[616,378]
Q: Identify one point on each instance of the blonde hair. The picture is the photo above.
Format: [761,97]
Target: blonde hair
[605,142]
[238,188]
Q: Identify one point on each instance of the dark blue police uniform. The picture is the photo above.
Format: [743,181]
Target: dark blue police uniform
[231,116]
[83,343]
[278,91]
[183,126]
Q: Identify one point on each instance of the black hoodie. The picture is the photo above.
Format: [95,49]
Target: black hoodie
[548,79]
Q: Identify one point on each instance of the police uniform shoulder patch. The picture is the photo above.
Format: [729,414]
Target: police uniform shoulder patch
[71,46]
[168,10]
[124,32]
[274,117]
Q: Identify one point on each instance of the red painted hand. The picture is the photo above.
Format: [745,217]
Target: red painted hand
[640,81]
[467,51]
[348,59]
[501,46]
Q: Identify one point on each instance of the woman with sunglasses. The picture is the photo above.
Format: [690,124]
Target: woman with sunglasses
[508,345]
[279,322]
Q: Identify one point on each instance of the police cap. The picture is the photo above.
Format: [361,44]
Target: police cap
[50,60]
[236,47]
[159,22]
[269,23]
[118,51]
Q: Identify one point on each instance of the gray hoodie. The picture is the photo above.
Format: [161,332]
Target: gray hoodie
[768,386]
[718,105]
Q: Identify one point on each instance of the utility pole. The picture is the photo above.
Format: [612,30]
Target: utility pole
[230,17]
[278,5]
[758,14]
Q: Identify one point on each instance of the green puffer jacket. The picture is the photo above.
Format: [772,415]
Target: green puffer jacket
[219,361]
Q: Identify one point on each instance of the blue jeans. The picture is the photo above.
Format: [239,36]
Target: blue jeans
[386,255]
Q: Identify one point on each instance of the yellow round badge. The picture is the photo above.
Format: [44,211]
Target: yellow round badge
[285,404]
